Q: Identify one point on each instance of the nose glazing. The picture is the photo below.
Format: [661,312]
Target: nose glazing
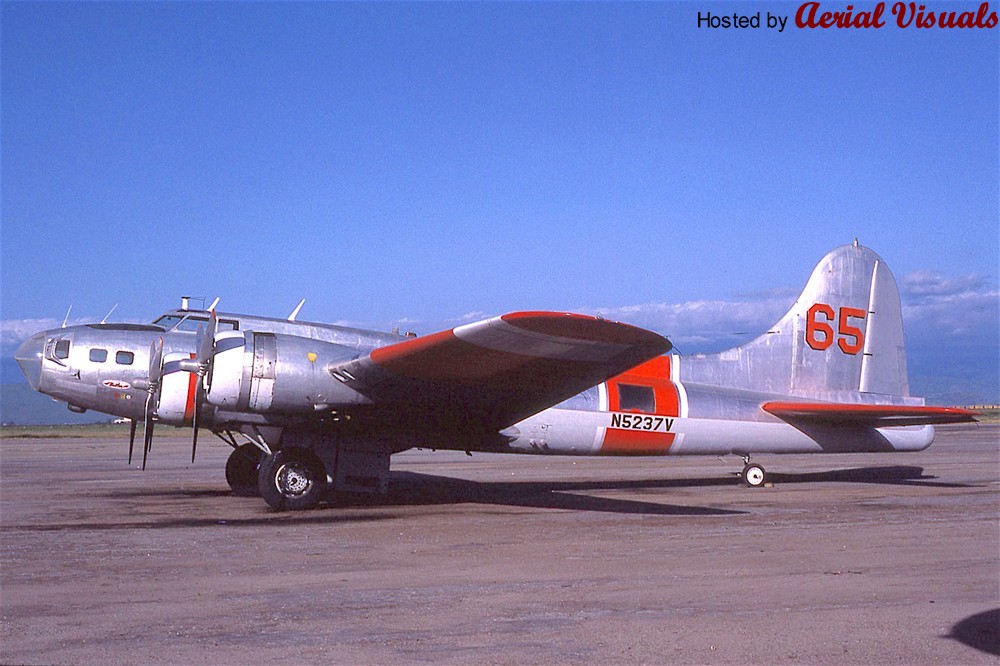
[29,358]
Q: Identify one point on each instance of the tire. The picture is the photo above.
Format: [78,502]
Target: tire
[753,475]
[242,469]
[291,480]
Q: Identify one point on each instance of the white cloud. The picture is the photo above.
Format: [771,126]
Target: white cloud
[15,331]
[964,308]
[930,284]
[705,325]
[936,308]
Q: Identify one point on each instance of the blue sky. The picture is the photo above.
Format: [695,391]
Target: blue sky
[425,163]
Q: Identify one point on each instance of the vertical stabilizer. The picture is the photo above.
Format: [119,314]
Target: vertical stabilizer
[841,339]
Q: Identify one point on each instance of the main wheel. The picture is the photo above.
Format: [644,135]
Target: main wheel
[754,476]
[242,468]
[291,480]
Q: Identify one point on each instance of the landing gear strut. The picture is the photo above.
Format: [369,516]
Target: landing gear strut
[753,474]
[291,479]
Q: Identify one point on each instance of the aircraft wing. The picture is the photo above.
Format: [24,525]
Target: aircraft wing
[494,373]
[876,416]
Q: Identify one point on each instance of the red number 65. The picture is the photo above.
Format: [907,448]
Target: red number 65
[820,334]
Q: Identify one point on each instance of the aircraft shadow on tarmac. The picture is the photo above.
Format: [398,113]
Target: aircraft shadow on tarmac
[418,489]
[421,489]
[413,488]
[980,631]
[893,475]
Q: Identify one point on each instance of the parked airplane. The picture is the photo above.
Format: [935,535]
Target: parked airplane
[312,407]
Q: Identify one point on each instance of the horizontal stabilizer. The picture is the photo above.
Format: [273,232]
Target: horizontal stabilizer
[496,372]
[876,416]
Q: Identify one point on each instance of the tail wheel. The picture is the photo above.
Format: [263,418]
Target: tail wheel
[754,475]
[242,469]
[291,480]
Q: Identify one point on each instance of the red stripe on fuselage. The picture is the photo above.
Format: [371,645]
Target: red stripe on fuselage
[635,442]
[655,374]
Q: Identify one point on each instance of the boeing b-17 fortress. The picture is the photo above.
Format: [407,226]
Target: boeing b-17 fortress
[310,407]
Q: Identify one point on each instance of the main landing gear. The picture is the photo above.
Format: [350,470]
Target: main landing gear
[753,474]
[242,469]
[291,479]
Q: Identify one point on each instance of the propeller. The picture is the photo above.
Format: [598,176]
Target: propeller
[152,396]
[204,357]
[131,438]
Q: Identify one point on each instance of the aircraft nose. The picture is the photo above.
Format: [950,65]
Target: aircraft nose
[29,357]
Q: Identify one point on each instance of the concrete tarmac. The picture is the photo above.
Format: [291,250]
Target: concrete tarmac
[878,558]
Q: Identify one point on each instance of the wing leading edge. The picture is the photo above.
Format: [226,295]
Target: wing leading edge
[494,373]
[876,416]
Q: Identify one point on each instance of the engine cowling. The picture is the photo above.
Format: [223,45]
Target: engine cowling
[258,372]
[177,391]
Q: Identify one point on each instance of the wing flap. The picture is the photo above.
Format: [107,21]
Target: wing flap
[496,372]
[876,416]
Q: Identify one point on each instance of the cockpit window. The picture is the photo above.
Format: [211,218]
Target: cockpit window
[168,321]
[98,355]
[190,324]
[124,358]
[62,349]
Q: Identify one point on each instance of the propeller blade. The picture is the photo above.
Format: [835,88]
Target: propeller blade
[207,342]
[155,362]
[194,437]
[205,354]
[199,397]
[152,396]
[131,438]
[147,429]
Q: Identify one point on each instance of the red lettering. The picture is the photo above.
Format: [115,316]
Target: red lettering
[991,22]
[907,14]
[810,8]
[813,327]
[877,21]
[847,331]
[808,16]
[820,334]
[899,11]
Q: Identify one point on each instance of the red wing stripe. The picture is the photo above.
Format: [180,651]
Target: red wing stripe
[871,410]
[491,350]
[872,414]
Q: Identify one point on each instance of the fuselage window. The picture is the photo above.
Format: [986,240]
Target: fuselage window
[62,349]
[124,358]
[98,355]
[636,398]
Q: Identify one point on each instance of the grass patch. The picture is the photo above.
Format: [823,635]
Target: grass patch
[64,431]
[82,431]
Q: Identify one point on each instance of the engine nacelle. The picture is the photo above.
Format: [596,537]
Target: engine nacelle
[259,372]
[177,391]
